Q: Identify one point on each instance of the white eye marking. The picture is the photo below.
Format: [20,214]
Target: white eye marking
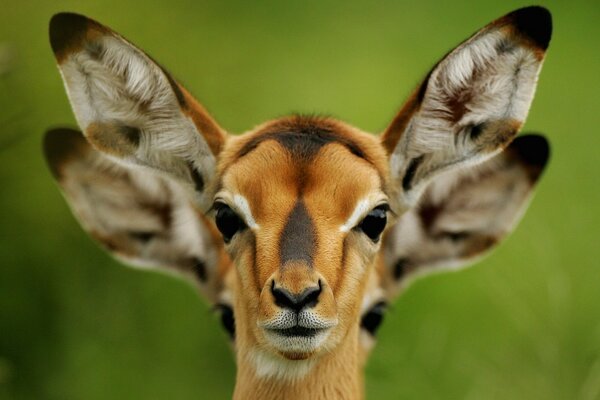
[362,208]
[241,204]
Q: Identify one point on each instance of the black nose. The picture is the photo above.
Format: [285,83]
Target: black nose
[307,298]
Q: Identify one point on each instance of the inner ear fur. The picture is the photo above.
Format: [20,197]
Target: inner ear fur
[471,104]
[131,108]
[141,218]
[464,214]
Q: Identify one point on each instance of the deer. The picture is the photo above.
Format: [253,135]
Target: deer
[302,230]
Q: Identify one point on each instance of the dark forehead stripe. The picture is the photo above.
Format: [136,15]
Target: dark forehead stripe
[303,143]
[297,241]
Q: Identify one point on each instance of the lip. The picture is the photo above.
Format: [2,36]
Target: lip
[296,340]
[297,324]
[298,331]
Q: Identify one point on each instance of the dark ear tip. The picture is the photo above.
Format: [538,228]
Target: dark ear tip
[60,144]
[66,29]
[532,149]
[535,23]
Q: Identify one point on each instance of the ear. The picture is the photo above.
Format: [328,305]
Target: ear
[140,217]
[463,215]
[131,109]
[472,104]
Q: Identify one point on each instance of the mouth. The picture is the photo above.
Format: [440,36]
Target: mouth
[297,331]
[296,334]
[297,342]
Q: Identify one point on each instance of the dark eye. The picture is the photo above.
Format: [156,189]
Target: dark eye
[228,222]
[372,319]
[374,223]
[227,318]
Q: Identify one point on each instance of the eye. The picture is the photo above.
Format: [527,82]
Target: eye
[228,222]
[374,223]
[227,319]
[372,319]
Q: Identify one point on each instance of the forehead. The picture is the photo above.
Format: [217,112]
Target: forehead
[327,164]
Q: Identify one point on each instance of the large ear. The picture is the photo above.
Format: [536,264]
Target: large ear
[472,104]
[464,214]
[140,217]
[130,108]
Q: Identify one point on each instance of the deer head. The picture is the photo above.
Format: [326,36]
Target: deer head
[302,229]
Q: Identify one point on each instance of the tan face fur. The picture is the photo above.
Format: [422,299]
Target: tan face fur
[301,226]
[321,224]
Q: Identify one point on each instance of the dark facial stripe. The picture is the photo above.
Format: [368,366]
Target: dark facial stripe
[298,237]
[304,143]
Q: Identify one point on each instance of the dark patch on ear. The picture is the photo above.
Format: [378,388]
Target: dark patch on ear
[67,30]
[400,268]
[410,172]
[428,213]
[132,134]
[114,138]
[476,130]
[505,46]
[478,244]
[95,50]
[455,236]
[494,134]
[196,178]
[532,149]
[163,211]
[227,319]
[535,23]
[372,319]
[59,145]
[199,269]
[143,237]
[297,241]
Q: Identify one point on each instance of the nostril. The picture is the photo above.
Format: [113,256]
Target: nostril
[285,299]
[310,297]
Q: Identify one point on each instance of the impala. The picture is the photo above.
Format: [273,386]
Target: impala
[301,230]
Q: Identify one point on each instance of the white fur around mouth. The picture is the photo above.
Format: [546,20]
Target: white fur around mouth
[288,319]
[296,339]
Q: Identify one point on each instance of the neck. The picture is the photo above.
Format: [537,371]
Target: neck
[335,375]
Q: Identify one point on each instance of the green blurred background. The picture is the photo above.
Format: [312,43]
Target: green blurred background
[523,324]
